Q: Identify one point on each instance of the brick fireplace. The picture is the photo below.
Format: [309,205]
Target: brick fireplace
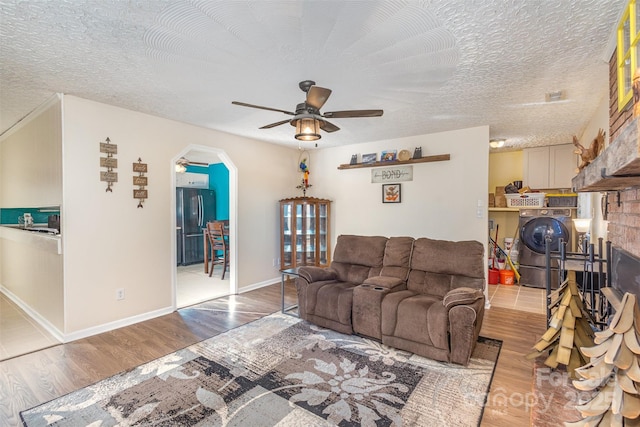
[623,204]
[624,220]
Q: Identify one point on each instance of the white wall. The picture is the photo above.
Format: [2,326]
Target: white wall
[600,120]
[109,243]
[31,176]
[31,160]
[439,203]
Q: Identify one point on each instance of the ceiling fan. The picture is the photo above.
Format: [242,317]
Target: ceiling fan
[307,118]
[182,163]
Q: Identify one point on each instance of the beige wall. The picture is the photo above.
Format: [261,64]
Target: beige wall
[31,176]
[111,244]
[440,203]
[600,120]
[31,160]
[504,167]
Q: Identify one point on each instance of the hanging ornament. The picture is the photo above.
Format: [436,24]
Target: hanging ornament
[303,168]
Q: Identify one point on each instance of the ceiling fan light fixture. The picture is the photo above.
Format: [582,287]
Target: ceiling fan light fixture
[307,128]
[496,143]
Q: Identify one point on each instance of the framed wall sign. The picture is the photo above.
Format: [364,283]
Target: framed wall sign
[391,193]
[397,173]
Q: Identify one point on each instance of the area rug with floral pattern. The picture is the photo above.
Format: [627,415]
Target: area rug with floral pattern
[282,371]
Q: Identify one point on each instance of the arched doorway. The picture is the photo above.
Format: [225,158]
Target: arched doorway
[190,283]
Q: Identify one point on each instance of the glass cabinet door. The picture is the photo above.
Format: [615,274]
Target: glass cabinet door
[322,234]
[287,241]
[309,217]
[304,229]
[299,246]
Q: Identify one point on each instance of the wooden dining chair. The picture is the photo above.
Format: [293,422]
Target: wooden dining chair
[218,245]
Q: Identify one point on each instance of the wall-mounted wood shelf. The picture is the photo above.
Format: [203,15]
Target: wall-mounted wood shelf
[617,167]
[425,159]
[492,209]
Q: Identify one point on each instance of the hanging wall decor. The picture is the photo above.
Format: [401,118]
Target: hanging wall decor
[109,162]
[303,168]
[391,193]
[141,181]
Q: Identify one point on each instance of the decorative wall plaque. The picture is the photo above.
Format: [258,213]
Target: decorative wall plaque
[392,174]
[109,162]
[141,181]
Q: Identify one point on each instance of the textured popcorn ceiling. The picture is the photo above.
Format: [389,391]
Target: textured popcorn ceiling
[432,66]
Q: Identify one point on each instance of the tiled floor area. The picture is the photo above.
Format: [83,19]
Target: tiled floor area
[194,286]
[518,298]
[19,333]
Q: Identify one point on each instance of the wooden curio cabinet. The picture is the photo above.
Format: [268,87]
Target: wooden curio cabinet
[304,232]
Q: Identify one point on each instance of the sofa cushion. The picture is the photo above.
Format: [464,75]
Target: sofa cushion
[361,250]
[333,300]
[460,296]
[465,258]
[438,266]
[415,317]
[397,257]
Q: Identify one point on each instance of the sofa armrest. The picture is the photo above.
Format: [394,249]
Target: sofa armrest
[465,322]
[385,282]
[315,274]
[461,296]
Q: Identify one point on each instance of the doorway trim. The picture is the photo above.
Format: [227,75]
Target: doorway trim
[233,216]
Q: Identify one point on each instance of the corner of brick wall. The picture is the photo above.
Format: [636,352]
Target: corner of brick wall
[617,119]
[624,220]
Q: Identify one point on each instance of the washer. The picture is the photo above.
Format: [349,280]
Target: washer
[535,225]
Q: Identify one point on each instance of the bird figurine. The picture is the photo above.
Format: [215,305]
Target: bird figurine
[635,87]
[587,155]
[304,168]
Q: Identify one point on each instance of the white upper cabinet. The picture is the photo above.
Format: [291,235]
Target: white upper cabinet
[31,160]
[562,165]
[192,180]
[549,167]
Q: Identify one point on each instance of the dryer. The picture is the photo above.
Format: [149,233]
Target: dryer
[535,225]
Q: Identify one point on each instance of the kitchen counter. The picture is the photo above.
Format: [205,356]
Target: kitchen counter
[43,241]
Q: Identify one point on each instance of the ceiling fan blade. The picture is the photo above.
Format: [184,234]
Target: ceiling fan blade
[328,127]
[185,162]
[352,113]
[244,104]
[272,125]
[317,96]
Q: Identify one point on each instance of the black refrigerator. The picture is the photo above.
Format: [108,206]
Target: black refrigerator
[194,208]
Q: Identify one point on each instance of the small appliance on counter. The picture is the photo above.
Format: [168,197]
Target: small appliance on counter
[28,220]
[54,222]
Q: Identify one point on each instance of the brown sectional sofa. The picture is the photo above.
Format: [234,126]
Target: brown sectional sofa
[420,295]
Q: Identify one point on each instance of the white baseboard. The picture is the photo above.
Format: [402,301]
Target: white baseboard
[65,338]
[258,285]
[94,330]
[48,326]
[106,327]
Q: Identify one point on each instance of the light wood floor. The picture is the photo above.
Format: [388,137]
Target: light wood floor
[38,377]
[19,333]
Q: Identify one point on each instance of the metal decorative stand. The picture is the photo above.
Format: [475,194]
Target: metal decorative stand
[594,279]
[303,186]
